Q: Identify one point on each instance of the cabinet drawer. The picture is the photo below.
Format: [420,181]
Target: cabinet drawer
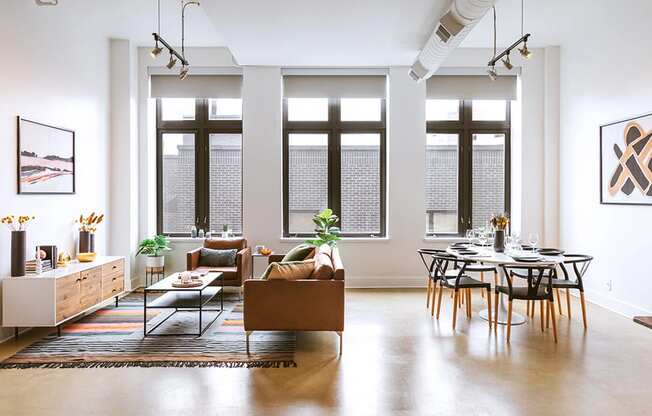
[114,268]
[68,296]
[112,287]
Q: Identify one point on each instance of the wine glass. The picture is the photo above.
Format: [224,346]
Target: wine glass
[483,238]
[533,239]
[469,235]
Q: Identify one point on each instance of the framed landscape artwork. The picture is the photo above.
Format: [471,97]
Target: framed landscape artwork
[626,162]
[46,159]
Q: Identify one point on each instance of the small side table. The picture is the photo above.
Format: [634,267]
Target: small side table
[151,272]
[254,256]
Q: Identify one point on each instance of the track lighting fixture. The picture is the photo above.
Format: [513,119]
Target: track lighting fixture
[508,63]
[184,72]
[525,52]
[174,55]
[491,71]
[172,62]
[156,51]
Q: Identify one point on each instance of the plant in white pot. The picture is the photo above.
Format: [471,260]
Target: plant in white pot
[154,248]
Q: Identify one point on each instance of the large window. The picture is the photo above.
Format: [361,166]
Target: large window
[467,163]
[199,165]
[334,157]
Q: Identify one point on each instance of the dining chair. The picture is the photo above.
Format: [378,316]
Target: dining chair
[429,263]
[580,264]
[450,272]
[538,288]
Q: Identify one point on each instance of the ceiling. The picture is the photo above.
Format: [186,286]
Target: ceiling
[306,32]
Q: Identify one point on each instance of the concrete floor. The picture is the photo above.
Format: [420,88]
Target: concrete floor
[397,360]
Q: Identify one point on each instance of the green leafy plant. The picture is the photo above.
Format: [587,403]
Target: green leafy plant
[154,247]
[326,231]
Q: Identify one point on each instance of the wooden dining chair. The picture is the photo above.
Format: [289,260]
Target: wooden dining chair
[429,263]
[450,272]
[579,264]
[538,288]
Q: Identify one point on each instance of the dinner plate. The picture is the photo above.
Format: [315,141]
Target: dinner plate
[527,259]
[550,252]
[464,252]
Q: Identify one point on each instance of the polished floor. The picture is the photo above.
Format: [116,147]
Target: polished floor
[397,360]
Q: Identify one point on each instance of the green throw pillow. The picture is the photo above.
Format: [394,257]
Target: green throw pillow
[217,258]
[299,253]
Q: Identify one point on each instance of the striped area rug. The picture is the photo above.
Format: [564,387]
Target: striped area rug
[113,337]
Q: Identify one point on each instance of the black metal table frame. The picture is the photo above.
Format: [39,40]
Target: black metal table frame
[199,308]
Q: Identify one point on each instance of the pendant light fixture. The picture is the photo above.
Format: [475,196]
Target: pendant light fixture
[174,55]
[524,51]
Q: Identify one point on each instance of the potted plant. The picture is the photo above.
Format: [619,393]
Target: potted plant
[326,231]
[154,248]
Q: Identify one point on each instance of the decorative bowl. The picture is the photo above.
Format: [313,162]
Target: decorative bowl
[86,257]
[265,251]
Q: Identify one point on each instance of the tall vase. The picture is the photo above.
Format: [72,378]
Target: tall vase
[18,252]
[499,241]
[84,242]
[91,243]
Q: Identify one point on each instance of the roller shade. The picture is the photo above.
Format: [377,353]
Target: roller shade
[334,86]
[196,86]
[457,87]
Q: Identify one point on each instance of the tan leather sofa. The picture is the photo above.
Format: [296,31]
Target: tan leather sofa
[295,305]
[233,276]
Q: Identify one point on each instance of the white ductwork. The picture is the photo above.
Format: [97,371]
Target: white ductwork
[451,29]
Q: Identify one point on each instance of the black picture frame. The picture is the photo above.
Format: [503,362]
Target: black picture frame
[603,200]
[20,188]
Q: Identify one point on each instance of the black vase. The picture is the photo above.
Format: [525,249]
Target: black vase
[18,251]
[84,242]
[91,243]
[499,241]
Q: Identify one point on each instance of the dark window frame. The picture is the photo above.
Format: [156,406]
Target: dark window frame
[334,128]
[202,127]
[465,127]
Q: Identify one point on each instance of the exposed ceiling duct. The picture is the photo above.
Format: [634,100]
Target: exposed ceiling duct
[451,29]
[47,2]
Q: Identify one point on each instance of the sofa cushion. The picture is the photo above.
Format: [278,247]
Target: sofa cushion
[324,268]
[290,270]
[300,253]
[237,243]
[217,258]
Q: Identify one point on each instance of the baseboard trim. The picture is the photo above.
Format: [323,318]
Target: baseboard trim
[385,282]
[615,305]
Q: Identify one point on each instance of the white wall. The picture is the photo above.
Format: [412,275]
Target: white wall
[605,76]
[380,262]
[56,74]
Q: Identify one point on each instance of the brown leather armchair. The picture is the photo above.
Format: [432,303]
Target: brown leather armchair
[295,305]
[233,276]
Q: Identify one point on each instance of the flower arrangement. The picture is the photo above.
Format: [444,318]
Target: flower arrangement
[17,223]
[90,222]
[499,221]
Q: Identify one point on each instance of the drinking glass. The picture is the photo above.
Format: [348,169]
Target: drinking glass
[533,239]
[469,235]
[482,238]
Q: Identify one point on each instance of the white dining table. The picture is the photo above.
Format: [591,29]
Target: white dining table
[487,255]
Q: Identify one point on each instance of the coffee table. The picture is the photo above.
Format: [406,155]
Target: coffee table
[183,299]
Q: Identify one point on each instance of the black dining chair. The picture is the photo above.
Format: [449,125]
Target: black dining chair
[580,264]
[429,263]
[538,288]
[450,272]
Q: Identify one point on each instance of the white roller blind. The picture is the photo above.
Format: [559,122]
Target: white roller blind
[334,86]
[196,86]
[468,87]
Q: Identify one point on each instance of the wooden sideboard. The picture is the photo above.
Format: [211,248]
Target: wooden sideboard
[52,298]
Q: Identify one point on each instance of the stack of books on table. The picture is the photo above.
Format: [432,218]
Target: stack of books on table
[30,266]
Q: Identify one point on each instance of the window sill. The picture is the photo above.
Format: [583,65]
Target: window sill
[344,240]
[451,239]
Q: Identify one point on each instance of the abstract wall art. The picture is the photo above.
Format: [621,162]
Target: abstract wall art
[626,162]
[46,159]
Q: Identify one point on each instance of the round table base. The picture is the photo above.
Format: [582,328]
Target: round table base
[517,319]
